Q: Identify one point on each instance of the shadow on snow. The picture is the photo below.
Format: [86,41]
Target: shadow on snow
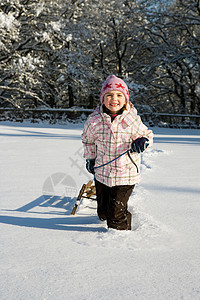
[69,222]
[178,140]
[37,134]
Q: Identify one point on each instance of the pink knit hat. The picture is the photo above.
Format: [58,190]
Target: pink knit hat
[114,83]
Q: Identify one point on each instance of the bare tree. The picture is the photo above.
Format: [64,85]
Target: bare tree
[172,37]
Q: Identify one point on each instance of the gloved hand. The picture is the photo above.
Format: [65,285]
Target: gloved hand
[90,165]
[139,145]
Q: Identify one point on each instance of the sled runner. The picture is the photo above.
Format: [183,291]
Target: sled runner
[86,191]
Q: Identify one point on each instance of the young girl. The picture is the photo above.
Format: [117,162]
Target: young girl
[112,129]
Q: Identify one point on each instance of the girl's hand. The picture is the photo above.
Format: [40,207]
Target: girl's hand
[139,145]
[90,165]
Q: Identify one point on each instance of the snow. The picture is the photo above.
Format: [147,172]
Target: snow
[28,62]
[8,21]
[47,253]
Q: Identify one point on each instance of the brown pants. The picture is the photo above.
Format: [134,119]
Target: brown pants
[112,205]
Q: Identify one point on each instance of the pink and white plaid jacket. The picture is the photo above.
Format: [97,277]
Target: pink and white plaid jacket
[104,141]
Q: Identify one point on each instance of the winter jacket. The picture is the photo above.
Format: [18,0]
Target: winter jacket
[104,140]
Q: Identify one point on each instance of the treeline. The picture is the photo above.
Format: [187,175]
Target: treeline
[57,53]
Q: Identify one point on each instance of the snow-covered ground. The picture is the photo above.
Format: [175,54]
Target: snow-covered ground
[47,253]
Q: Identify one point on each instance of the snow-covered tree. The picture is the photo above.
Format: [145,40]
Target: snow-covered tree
[58,53]
[34,51]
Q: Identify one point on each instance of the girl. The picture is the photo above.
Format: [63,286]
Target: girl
[113,128]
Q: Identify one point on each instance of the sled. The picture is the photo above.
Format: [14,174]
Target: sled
[86,191]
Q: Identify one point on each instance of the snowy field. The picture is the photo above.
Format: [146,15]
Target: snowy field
[47,253]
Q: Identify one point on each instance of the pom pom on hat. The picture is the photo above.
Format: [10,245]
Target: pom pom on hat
[114,83]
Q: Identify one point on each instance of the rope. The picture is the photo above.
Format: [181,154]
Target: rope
[127,151]
[112,160]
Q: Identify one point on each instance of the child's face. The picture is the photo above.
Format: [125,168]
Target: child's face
[114,100]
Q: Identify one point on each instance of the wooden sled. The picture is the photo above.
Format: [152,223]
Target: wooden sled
[86,191]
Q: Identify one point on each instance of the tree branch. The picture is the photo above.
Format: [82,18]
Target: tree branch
[31,94]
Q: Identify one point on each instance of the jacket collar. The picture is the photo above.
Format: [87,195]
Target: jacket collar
[128,115]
